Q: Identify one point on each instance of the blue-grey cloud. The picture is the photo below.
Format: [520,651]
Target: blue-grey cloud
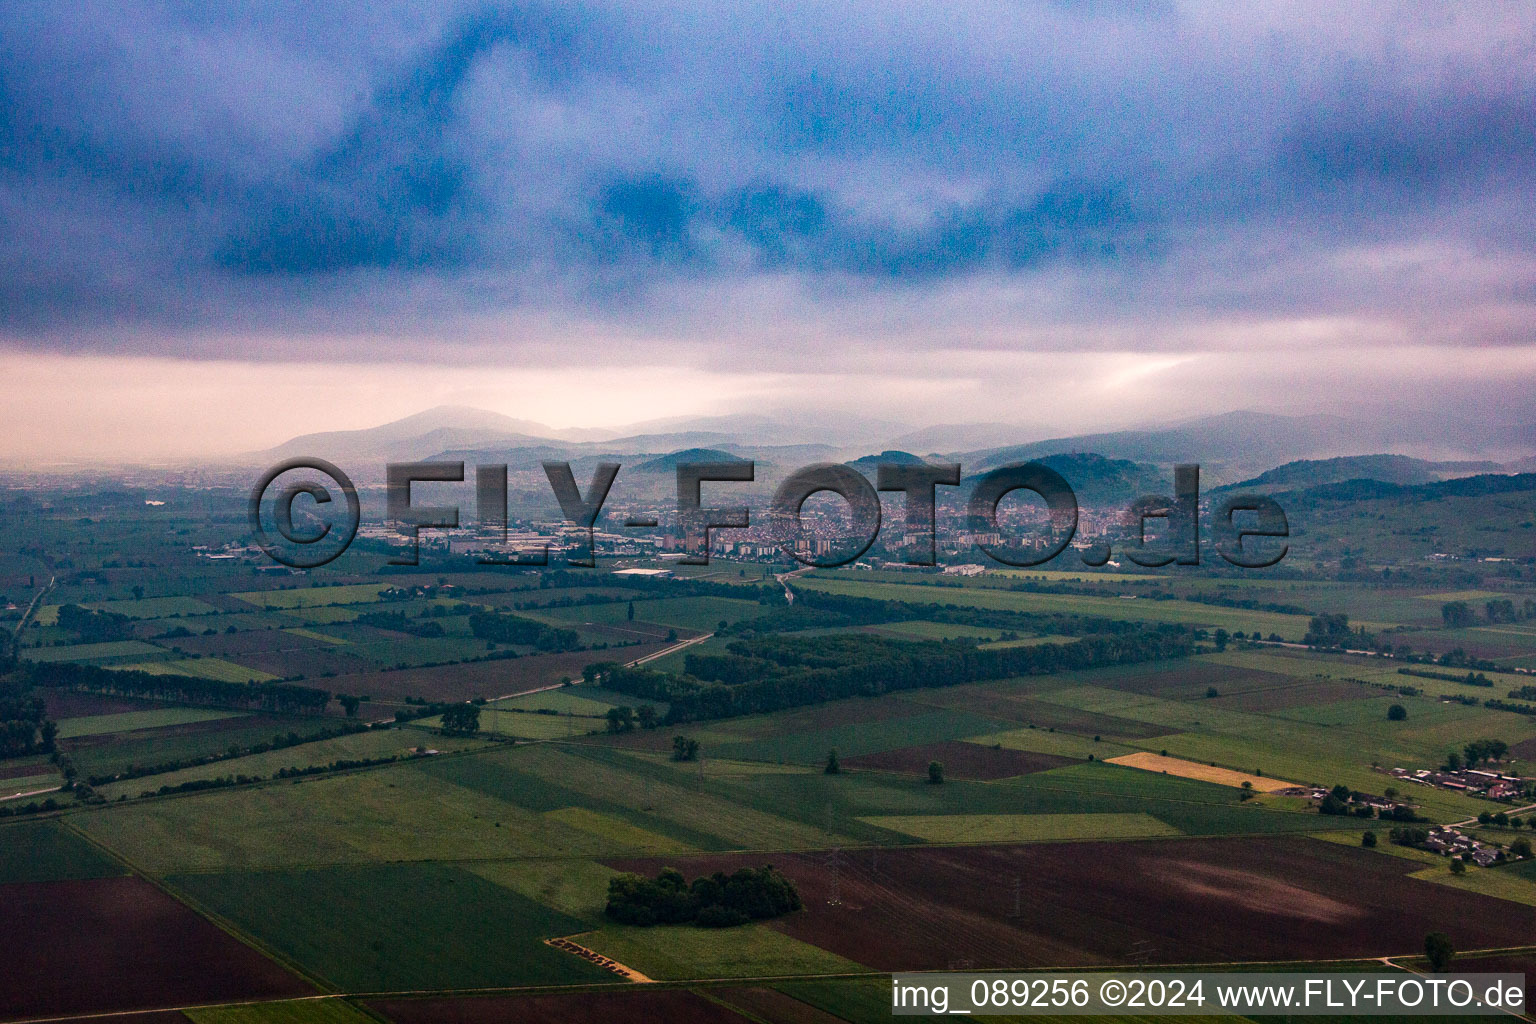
[207,170]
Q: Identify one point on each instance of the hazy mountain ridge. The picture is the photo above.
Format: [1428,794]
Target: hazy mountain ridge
[1259,451]
[1393,469]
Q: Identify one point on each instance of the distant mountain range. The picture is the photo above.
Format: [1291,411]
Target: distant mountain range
[1391,469]
[1250,450]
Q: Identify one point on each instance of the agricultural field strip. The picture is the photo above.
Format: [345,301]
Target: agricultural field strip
[131,721]
[1290,626]
[1422,739]
[1151,762]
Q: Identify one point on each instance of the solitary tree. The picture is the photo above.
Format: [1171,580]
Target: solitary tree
[1521,848]
[348,704]
[935,772]
[647,716]
[684,749]
[1368,839]
[1458,867]
[832,767]
[1438,951]
[630,613]
[1397,713]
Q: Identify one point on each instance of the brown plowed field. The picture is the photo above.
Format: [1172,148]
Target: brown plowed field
[671,1006]
[961,760]
[71,704]
[1080,904]
[120,944]
[772,1005]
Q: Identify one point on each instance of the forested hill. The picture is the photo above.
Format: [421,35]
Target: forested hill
[1463,487]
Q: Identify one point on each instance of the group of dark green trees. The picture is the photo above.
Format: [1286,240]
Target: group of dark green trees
[1458,614]
[710,901]
[515,629]
[770,672]
[1476,753]
[95,627]
[24,724]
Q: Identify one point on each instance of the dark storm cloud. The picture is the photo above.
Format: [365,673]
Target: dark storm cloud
[177,171]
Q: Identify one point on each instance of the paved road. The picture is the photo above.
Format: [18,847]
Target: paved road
[668,650]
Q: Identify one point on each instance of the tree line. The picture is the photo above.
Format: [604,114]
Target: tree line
[771,673]
[286,698]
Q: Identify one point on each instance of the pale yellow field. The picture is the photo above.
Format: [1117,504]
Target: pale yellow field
[1148,761]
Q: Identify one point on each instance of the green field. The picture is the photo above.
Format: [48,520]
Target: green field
[156,607]
[1292,627]
[48,851]
[354,747]
[114,650]
[322,1010]
[399,813]
[396,926]
[682,952]
[127,721]
[1021,828]
[203,668]
[313,597]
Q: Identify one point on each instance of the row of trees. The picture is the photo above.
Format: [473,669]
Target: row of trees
[771,673]
[1458,614]
[710,901]
[1475,753]
[287,698]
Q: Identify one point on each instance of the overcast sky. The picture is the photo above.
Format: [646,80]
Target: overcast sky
[220,228]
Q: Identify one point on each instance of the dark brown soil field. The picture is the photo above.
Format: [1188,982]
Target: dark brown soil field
[961,760]
[69,704]
[1085,904]
[1181,679]
[250,641]
[120,944]
[22,771]
[273,651]
[641,1003]
[1515,963]
[1004,700]
[210,727]
[1293,694]
[771,1005]
[1479,645]
[480,678]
